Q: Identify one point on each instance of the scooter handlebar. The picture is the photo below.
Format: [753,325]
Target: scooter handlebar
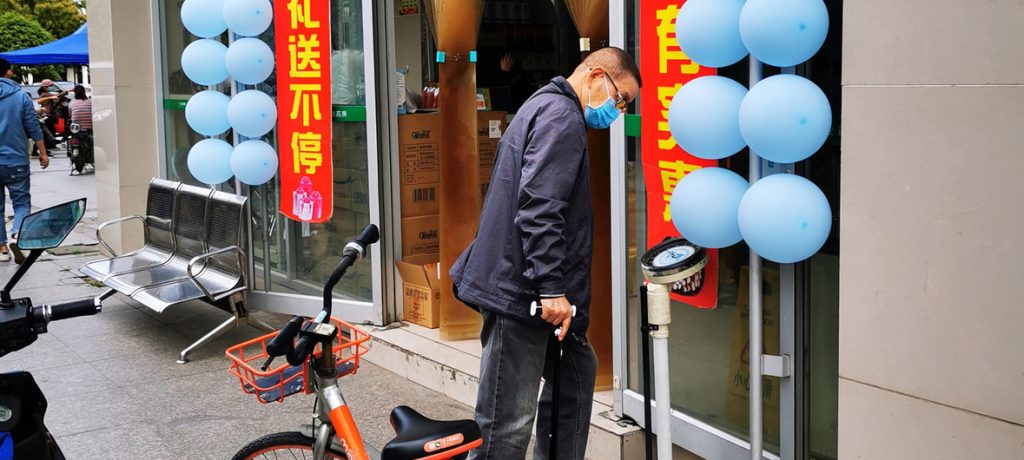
[75,308]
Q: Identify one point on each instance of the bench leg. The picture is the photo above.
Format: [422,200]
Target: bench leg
[231,323]
[260,324]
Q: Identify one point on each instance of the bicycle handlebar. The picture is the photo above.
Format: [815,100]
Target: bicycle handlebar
[284,343]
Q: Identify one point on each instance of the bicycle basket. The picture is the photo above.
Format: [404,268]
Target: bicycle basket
[285,380]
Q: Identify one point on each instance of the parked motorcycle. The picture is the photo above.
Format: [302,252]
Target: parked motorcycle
[23,435]
[80,148]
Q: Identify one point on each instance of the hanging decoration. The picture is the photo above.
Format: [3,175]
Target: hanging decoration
[666,69]
[302,34]
[591,20]
[457,24]
[251,113]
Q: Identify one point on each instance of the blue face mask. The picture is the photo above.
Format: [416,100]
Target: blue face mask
[603,116]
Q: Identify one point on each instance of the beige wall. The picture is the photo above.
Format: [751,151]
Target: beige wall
[931,315]
[121,51]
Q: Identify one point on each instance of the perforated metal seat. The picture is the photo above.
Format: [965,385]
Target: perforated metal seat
[188,230]
[158,242]
[215,274]
[192,251]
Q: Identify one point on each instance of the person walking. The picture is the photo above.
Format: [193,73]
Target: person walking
[535,241]
[18,124]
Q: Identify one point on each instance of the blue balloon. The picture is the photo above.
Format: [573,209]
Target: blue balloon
[248,18]
[203,18]
[203,62]
[704,117]
[708,31]
[785,218]
[704,207]
[784,33]
[785,118]
[209,161]
[252,113]
[254,162]
[207,113]
[249,61]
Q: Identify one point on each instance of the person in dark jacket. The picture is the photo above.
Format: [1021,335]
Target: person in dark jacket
[534,243]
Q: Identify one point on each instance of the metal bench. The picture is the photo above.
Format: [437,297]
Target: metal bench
[192,250]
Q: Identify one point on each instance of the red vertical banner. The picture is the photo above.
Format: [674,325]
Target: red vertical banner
[302,30]
[665,69]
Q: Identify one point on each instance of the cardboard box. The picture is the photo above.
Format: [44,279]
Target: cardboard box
[421,293]
[419,143]
[420,242]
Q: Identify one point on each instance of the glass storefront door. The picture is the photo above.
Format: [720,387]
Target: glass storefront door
[708,359]
[290,260]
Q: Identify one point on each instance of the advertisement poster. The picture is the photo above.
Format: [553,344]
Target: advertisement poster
[302,37]
[665,69]
[737,397]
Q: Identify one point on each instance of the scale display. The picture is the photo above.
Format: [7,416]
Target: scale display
[677,262]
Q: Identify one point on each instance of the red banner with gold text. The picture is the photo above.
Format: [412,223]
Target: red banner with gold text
[665,69]
[302,30]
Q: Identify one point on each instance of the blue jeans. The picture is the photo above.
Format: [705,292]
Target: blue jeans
[513,362]
[16,180]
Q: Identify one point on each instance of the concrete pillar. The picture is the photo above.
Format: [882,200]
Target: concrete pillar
[122,43]
[930,318]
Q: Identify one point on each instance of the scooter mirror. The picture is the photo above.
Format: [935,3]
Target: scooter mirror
[47,228]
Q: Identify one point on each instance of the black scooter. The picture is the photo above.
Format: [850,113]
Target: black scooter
[22,404]
[80,148]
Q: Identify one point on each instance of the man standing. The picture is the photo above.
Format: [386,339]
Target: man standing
[535,242]
[17,125]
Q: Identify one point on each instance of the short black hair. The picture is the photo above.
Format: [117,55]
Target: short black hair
[4,67]
[80,92]
[616,60]
[43,90]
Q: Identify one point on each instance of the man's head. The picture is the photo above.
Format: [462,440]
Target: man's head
[46,83]
[607,81]
[5,69]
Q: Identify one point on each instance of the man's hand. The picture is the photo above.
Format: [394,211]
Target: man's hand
[558,312]
[44,159]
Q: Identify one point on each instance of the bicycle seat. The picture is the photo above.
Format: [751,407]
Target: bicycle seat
[419,436]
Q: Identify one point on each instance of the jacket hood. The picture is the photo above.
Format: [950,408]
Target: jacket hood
[560,86]
[8,87]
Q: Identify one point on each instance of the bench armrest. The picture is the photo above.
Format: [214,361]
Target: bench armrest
[196,259]
[99,237]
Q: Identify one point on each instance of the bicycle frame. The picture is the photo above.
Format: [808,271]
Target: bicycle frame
[332,411]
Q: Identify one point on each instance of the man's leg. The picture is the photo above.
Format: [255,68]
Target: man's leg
[17,179]
[510,372]
[578,371]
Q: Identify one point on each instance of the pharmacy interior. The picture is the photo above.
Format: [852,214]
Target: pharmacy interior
[421,92]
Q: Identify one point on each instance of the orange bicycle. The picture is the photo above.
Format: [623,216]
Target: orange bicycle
[318,352]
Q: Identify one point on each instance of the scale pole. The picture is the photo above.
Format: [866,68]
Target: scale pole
[660,316]
[756,341]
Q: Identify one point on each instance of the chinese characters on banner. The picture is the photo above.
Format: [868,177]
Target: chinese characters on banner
[302,30]
[665,69]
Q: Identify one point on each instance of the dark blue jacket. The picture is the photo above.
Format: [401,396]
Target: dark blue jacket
[536,228]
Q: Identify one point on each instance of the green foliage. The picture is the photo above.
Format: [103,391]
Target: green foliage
[60,17]
[17,32]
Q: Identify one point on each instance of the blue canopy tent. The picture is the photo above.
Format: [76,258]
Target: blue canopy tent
[70,50]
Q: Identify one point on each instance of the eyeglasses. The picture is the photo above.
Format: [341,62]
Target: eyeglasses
[620,102]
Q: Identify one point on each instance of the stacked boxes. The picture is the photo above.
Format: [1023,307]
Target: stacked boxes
[419,141]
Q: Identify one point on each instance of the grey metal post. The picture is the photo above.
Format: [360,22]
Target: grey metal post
[755,351]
